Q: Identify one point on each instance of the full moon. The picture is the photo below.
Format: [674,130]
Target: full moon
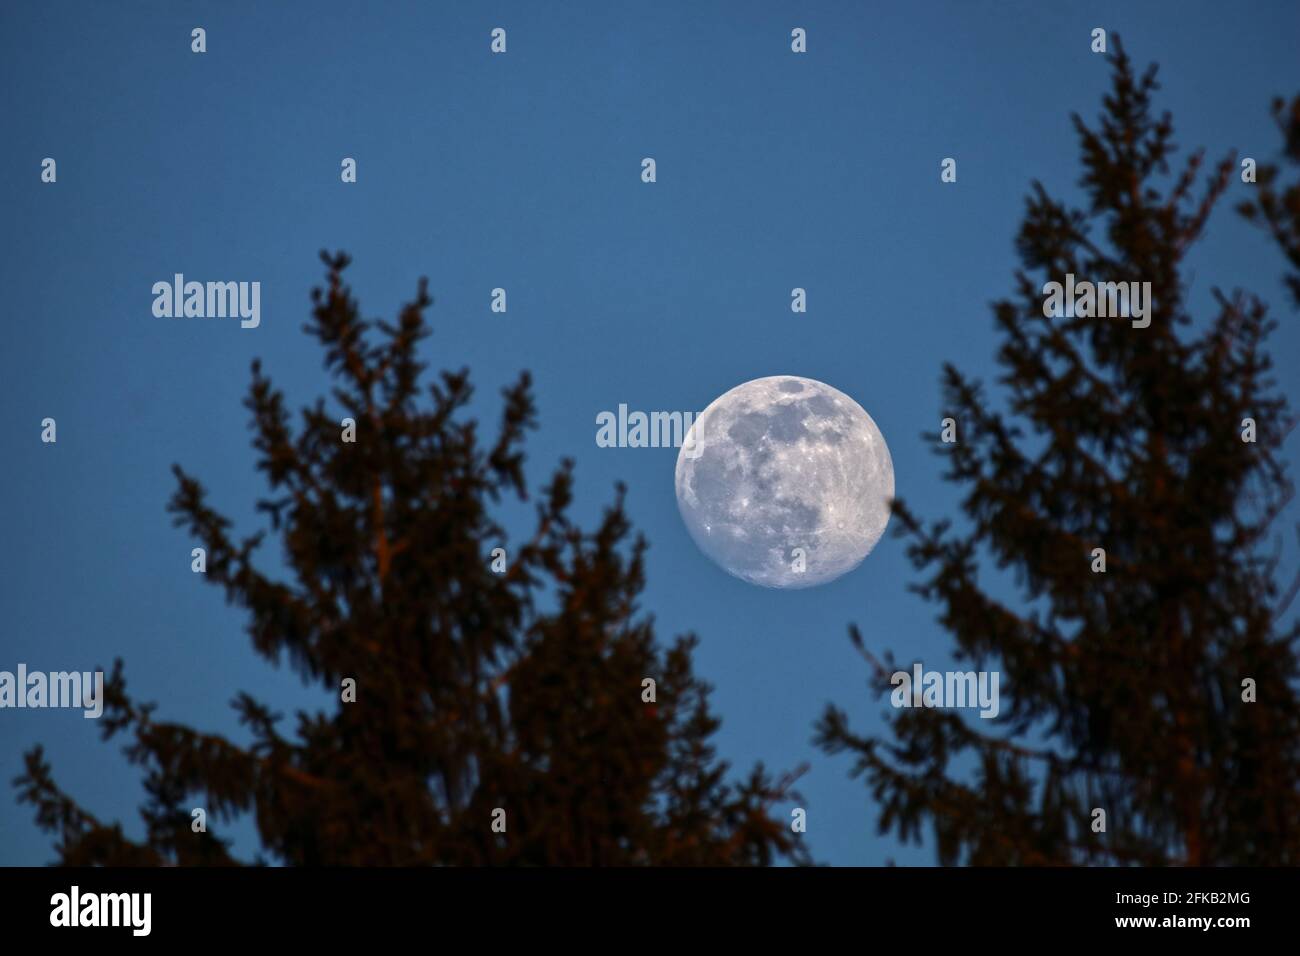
[785,482]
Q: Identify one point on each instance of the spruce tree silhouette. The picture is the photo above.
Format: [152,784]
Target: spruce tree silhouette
[476,690]
[1125,688]
[1279,211]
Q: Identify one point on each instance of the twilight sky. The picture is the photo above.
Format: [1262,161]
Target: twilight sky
[523,171]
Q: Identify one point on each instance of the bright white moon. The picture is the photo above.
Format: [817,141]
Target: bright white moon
[785,482]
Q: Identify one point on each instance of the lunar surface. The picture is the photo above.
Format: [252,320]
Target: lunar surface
[785,482]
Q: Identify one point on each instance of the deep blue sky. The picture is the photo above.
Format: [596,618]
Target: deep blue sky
[523,171]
